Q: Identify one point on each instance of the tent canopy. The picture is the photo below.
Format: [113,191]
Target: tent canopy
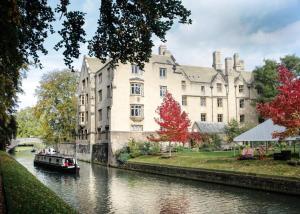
[262,132]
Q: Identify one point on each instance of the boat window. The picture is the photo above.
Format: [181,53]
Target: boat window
[57,160]
[49,159]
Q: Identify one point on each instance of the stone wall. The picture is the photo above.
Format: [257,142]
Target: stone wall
[83,150]
[100,153]
[252,181]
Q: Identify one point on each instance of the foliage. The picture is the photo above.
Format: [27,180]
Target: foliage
[56,106]
[24,193]
[211,142]
[173,123]
[284,110]
[8,129]
[266,76]
[134,148]
[123,34]
[28,124]
[195,139]
[123,155]
[233,129]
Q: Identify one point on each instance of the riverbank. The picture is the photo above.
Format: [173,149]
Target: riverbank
[246,180]
[223,161]
[24,193]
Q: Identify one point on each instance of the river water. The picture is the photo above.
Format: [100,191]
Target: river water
[106,190]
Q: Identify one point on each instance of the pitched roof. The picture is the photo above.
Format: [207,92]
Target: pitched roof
[248,76]
[199,74]
[262,132]
[210,128]
[94,64]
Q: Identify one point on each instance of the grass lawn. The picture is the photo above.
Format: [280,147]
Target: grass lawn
[224,161]
[24,193]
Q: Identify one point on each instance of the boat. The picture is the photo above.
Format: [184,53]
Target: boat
[50,159]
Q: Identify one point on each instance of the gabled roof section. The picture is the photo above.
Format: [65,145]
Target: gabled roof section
[220,74]
[210,128]
[94,64]
[246,75]
[199,74]
[163,59]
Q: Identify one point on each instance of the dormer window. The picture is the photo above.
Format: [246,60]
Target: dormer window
[219,87]
[241,88]
[162,73]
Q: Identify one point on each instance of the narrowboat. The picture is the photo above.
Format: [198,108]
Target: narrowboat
[50,159]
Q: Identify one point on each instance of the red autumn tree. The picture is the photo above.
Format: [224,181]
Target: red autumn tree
[173,123]
[284,110]
[195,138]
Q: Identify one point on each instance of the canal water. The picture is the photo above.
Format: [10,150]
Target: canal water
[105,190]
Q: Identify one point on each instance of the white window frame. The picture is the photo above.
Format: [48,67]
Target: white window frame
[219,102]
[184,100]
[241,89]
[163,90]
[242,103]
[82,99]
[202,101]
[136,89]
[136,70]
[162,73]
[136,110]
[203,117]
[220,118]
[219,87]
[100,78]
[82,117]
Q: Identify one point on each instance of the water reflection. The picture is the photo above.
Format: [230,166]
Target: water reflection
[106,190]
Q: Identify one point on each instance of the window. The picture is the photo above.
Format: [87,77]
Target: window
[242,118]
[162,91]
[82,117]
[100,114]
[108,113]
[259,90]
[203,117]
[137,128]
[87,98]
[203,101]
[162,72]
[100,78]
[219,87]
[136,88]
[220,102]
[82,99]
[108,74]
[87,116]
[136,111]
[99,95]
[184,100]
[202,88]
[108,91]
[136,70]
[241,88]
[183,84]
[220,118]
[242,103]
[83,84]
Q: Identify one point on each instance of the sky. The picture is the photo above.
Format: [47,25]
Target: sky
[256,29]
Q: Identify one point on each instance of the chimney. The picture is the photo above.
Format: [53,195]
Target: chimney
[242,65]
[162,49]
[217,60]
[228,65]
[236,59]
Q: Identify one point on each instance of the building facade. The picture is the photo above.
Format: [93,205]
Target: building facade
[118,104]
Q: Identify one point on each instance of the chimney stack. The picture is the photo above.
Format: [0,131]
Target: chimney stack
[217,60]
[228,65]
[162,49]
[236,60]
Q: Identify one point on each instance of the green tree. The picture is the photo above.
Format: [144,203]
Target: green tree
[56,106]
[291,62]
[233,129]
[124,33]
[28,124]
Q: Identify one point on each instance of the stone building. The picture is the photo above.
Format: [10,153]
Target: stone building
[118,104]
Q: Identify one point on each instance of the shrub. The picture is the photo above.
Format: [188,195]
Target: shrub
[134,148]
[154,149]
[123,155]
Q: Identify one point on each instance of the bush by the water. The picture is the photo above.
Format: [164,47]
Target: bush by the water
[136,149]
[24,193]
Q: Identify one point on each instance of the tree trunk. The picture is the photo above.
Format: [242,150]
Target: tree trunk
[170,149]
